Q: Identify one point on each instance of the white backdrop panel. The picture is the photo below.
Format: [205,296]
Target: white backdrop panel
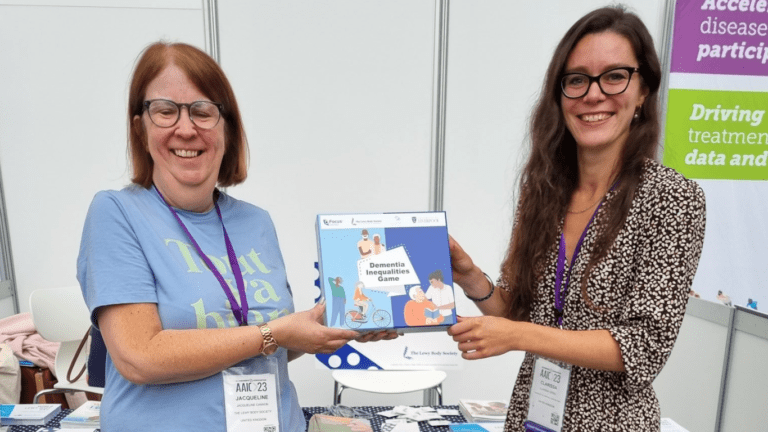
[734,241]
[65,72]
[697,360]
[337,103]
[746,392]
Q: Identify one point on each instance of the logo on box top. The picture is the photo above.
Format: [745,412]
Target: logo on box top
[369,222]
[425,219]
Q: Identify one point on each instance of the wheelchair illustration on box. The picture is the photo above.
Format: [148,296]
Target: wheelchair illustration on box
[354,318]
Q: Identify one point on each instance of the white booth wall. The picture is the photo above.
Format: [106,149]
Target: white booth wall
[336,98]
[65,67]
[337,102]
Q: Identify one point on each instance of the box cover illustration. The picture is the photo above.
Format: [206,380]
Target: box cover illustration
[386,271]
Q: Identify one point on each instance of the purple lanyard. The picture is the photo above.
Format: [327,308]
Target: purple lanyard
[240,311]
[534,427]
[561,292]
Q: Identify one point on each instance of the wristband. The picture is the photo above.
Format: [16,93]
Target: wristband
[493,288]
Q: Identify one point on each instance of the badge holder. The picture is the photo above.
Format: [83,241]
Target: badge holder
[549,391]
[252,395]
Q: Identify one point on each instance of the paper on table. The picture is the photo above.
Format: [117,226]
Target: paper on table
[669,425]
[52,429]
[451,412]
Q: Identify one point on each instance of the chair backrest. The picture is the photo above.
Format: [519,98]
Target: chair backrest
[59,314]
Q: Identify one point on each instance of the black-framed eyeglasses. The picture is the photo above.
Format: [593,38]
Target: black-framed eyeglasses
[610,82]
[165,113]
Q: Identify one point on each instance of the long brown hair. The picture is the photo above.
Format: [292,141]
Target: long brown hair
[551,173]
[209,78]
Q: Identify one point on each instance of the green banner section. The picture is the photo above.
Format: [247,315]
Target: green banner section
[717,134]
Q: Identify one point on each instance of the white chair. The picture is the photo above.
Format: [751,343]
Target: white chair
[60,315]
[390,382]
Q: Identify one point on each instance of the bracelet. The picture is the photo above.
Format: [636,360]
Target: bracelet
[493,288]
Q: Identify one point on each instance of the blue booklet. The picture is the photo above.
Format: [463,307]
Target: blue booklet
[476,427]
[386,271]
[28,414]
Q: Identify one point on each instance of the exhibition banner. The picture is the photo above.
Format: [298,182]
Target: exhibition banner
[724,37]
[712,131]
[716,133]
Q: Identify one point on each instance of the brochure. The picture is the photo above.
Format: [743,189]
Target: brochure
[386,271]
[483,410]
[476,427]
[86,415]
[28,414]
[326,423]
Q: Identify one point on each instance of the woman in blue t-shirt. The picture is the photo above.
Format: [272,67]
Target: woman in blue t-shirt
[186,283]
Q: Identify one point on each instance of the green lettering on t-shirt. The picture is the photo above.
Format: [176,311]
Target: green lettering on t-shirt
[220,266]
[245,267]
[257,262]
[275,314]
[257,317]
[265,293]
[186,254]
[201,316]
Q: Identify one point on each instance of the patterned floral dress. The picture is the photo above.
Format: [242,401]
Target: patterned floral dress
[642,286]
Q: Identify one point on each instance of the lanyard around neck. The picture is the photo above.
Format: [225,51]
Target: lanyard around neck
[560,290]
[240,311]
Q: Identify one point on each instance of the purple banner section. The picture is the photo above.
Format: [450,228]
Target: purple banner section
[728,37]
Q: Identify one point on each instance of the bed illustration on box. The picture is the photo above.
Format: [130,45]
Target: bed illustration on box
[386,271]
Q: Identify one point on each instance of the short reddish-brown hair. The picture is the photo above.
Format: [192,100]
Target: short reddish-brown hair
[207,76]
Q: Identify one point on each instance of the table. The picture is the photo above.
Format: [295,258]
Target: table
[376,421]
[52,423]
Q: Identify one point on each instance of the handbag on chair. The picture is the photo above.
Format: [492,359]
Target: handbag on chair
[96,359]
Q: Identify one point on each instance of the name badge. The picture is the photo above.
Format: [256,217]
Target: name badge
[251,403]
[549,390]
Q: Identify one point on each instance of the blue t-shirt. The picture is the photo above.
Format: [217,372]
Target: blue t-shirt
[134,251]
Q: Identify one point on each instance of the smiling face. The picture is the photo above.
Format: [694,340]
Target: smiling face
[186,158]
[595,120]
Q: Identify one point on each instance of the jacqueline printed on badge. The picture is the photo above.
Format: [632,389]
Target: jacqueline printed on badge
[251,403]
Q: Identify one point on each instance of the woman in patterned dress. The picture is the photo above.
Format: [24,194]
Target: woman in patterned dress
[592,181]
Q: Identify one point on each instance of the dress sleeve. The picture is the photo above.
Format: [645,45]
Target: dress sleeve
[668,255]
[111,266]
